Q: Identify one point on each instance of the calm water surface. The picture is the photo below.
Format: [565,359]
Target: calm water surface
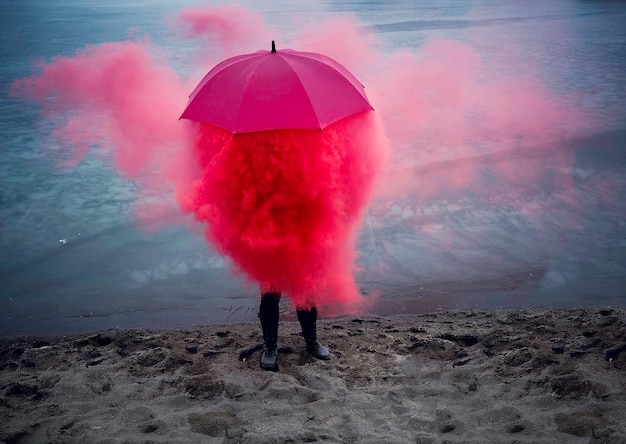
[71,258]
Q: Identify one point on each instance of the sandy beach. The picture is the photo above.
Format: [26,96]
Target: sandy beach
[511,376]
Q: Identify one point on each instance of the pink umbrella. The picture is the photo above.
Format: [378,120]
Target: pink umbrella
[271,90]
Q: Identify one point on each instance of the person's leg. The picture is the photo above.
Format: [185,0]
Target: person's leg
[308,322]
[268,314]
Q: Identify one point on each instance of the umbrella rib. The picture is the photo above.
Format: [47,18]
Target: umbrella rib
[310,102]
[243,95]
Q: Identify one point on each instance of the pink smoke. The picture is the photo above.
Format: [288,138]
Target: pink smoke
[231,29]
[445,104]
[122,96]
[342,39]
[117,90]
[286,205]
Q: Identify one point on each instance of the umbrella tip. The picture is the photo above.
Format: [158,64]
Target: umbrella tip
[273,46]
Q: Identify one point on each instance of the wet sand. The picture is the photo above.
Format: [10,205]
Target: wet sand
[514,376]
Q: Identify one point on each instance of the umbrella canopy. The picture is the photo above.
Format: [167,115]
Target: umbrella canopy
[270,90]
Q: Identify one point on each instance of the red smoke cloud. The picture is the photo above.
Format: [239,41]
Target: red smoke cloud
[286,205]
[253,191]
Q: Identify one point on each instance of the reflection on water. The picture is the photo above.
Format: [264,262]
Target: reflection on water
[71,258]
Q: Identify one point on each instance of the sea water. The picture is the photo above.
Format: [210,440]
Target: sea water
[72,258]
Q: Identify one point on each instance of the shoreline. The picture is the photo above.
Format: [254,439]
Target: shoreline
[512,375]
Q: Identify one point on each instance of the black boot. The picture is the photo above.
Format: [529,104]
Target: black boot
[268,314]
[308,322]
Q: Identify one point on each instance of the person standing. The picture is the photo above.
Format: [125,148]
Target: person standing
[269,316]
